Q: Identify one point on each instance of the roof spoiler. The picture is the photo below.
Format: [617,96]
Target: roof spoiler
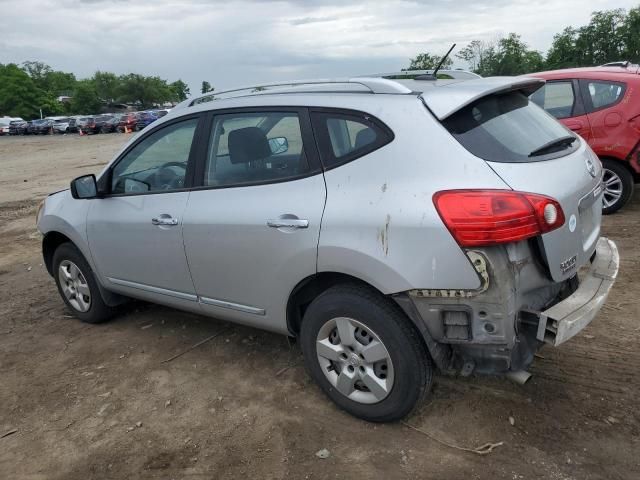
[449,99]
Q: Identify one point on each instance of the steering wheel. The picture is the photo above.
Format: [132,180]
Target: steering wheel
[166,177]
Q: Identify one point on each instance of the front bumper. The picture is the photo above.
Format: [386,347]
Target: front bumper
[566,318]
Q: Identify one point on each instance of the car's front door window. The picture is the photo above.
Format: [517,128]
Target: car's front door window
[157,163]
[557,98]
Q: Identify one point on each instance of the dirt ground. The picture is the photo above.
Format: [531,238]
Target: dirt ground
[90,402]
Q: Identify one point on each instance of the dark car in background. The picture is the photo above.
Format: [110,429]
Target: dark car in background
[98,123]
[86,124]
[111,124]
[17,127]
[33,127]
[44,127]
[22,128]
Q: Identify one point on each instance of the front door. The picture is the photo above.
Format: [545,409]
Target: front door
[135,232]
[251,231]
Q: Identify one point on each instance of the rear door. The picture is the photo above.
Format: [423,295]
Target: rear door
[251,229]
[533,153]
[562,99]
[609,117]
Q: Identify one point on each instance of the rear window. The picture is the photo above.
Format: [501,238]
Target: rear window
[508,128]
[604,94]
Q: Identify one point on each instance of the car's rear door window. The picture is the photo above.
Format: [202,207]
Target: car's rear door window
[255,147]
[604,94]
[345,135]
[508,128]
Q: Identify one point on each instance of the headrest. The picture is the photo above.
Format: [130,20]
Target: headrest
[247,145]
[365,137]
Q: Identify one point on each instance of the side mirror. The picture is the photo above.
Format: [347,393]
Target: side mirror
[278,145]
[84,187]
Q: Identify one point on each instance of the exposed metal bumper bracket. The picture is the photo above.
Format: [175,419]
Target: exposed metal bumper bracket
[565,319]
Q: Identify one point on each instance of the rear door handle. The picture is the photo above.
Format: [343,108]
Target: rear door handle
[164,219]
[575,126]
[288,223]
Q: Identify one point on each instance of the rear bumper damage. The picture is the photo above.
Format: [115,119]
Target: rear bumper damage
[498,328]
[565,319]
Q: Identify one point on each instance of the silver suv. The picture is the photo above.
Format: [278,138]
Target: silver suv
[395,227]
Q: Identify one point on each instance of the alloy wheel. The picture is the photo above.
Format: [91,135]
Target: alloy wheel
[612,188]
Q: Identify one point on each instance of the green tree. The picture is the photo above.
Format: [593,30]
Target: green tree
[179,90]
[144,91]
[85,98]
[38,72]
[106,86]
[427,61]
[59,83]
[476,53]
[563,52]
[508,56]
[19,95]
[206,87]
[630,37]
[605,30]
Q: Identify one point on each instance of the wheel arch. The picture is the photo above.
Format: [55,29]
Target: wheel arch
[624,163]
[50,242]
[312,286]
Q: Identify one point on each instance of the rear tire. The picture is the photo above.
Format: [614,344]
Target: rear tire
[365,354]
[77,285]
[618,186]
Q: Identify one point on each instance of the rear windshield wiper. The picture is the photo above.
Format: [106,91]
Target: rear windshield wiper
[565,141]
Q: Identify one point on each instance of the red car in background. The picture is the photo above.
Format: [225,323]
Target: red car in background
[128,122]
[602,104]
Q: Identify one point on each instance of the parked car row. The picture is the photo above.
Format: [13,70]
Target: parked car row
[89,124]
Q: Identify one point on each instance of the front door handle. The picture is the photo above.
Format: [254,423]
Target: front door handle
[288,223]
[164,219]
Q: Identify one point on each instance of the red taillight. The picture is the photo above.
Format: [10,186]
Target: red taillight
[489,217]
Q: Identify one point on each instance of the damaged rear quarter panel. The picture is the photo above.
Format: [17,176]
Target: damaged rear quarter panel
[380,224]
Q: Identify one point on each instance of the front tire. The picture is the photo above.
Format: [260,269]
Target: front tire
[618,186]
[77,285]
[365,354]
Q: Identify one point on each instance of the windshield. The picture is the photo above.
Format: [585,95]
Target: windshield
[509,128]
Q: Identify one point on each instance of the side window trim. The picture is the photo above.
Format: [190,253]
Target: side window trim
[104,182]
[578,103]
[320,129]
[584,88]
[308,142]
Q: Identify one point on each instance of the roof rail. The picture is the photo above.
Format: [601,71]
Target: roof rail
[359,84]
[412,74]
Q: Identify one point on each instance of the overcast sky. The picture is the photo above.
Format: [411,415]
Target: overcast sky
[244,42]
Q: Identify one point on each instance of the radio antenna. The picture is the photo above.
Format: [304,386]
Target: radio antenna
[434,75]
